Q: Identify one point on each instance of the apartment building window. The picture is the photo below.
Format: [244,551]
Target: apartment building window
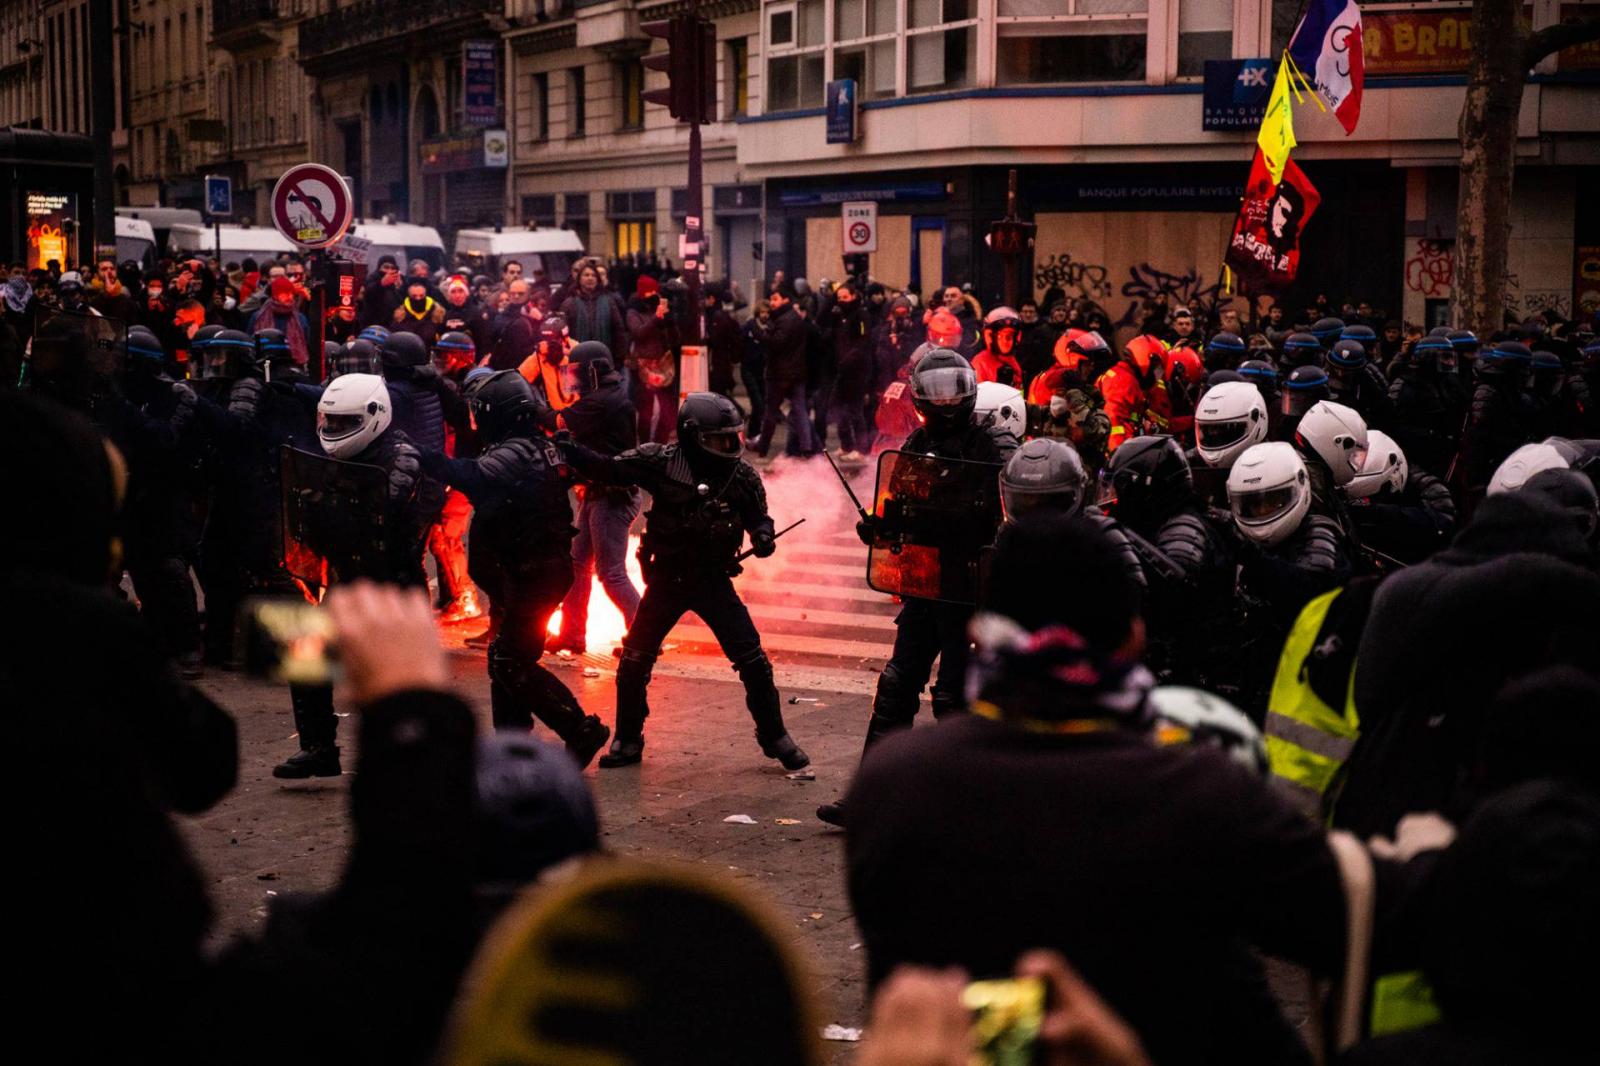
[541,106]
[866,45]
[941,44]
[1044,41]
[540,209]
[736,77]
[577,104]
[630,82]
[796,50]
[1205,31]
[575,217]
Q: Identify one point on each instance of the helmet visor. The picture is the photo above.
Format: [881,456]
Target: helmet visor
[1299,401]
[948,385]
[723,442]
[334,426]
[1262,505]
[1017,502]
[1218,435]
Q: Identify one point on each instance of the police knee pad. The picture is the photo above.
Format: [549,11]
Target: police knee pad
[897,698]
[754,666]
[947,702]
[636,663]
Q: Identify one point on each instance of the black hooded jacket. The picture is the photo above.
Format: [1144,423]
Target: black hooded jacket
[1511,594]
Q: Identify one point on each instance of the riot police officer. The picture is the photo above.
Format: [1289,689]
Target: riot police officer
[355,425]
[944,391]
[519,552]
[704,498]
[1427,403]
[1402,513]
[1497,419]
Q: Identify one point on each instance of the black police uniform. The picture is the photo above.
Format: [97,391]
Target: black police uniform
[519,552]
[700,510]
[925,629]
[354,549]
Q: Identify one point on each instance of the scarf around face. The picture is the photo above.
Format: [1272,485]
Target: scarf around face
[1054,676]
[17,293]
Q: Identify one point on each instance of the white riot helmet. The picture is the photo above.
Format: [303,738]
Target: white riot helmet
[1229,418]
[1527,461]
[1002,411]
[353,412]
[1385,465]
[1269,492]
[1193,716]
[1338,434]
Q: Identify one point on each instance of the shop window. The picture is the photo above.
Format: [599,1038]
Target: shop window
[632,238]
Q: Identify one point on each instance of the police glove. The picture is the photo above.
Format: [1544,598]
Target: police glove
[763,544]
[867,529]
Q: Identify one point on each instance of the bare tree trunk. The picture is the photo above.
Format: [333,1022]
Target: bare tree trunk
[1503,50]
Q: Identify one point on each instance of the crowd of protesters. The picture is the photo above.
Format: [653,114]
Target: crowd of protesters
[1378,542]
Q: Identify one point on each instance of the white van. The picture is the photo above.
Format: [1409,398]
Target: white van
[402,240]
[261,243]
[542,252]
[162,219]
[136,240]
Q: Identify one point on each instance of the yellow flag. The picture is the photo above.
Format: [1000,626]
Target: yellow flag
[1277,128]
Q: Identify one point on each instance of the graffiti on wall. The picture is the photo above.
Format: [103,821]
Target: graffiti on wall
[1431,269]
[1091,284]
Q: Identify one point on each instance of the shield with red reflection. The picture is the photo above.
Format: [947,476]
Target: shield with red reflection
[934,517]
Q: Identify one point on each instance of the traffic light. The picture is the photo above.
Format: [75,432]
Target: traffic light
[690,64]
[1010,237]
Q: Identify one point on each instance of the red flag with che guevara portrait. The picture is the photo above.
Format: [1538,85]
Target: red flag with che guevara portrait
[1264,250]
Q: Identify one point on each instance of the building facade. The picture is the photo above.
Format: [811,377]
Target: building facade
[172,131]
[1098,104]
[588,154]
[390,106]
[261,96]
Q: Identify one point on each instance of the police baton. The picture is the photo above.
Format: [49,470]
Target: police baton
[742,556]
[860,510]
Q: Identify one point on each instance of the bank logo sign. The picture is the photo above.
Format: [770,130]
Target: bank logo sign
[1236,92]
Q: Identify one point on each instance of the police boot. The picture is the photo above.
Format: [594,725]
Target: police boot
[321,760]
[832,813]
[946,703]
[762,700]
[587,739]
[633,680]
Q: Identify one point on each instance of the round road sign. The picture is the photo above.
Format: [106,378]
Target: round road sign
[860,233]
[311,205]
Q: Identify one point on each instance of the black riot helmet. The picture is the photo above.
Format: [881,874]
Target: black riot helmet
[1149,479]
[202,337]
[453,351]
[1327,330]
[1304,386]
[503,405]
[1302,349]
[358,357]
[273,354]
[145,353]
[708,428]
[1264,376]
[944,390]
[588,365]
[402,351]
[331,351]
[1042,475]
[230,355]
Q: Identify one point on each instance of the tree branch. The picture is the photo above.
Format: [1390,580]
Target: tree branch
[1562,35]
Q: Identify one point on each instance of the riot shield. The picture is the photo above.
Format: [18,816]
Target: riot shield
[934,517]
[75,354]
[333,517]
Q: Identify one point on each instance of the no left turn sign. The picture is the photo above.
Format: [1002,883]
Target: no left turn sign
[311,205]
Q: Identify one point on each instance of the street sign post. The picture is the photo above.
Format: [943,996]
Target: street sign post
[219,196]
[860,219]
[311,205]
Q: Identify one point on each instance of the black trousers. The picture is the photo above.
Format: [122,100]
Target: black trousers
[711,595]
[521,601]
[924,630]
[166,597]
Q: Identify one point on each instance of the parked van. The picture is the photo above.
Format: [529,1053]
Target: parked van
[136,240]
[546,253]
[162,219]
[402,240]
[261,243]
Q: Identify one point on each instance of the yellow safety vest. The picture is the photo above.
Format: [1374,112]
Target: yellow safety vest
[1307,740]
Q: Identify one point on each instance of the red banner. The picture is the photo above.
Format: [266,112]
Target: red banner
[1264,250]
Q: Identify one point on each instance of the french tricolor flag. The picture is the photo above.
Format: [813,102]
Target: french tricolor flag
[1326,46]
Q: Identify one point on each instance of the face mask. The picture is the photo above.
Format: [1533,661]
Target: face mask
[155,294]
